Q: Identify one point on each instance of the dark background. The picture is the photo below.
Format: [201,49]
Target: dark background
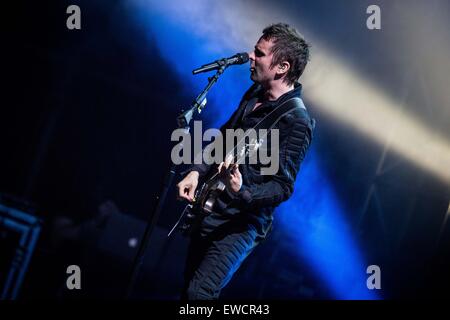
[85,124]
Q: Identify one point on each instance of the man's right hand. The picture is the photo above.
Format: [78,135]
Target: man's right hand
[187,186]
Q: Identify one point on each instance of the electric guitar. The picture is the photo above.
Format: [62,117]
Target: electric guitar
[211,187]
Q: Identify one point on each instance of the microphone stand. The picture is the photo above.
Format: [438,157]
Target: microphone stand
[183,122]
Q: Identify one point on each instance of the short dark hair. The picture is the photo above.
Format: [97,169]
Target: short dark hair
[289,45]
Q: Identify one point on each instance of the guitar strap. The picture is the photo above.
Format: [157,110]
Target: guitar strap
[271,119]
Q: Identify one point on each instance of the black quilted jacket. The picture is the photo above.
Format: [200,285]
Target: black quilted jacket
[260,194]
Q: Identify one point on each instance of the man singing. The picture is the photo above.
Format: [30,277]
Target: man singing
[244,214]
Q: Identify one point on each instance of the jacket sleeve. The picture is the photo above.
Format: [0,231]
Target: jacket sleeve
[281,185]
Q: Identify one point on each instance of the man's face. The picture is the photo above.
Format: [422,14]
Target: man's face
[260,61]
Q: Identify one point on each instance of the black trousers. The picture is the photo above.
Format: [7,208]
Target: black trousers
[213,259]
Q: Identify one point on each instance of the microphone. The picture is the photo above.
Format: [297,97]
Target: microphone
[238,58]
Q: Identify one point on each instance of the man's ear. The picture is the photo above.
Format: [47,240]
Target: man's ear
[283,67]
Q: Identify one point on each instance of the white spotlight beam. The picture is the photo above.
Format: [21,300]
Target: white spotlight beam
[343,94]
[334,87]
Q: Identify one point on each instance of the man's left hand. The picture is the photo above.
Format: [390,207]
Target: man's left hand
[233,178]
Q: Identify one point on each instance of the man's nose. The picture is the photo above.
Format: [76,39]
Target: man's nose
[251,55]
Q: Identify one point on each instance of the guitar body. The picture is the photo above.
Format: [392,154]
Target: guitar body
[203,205]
